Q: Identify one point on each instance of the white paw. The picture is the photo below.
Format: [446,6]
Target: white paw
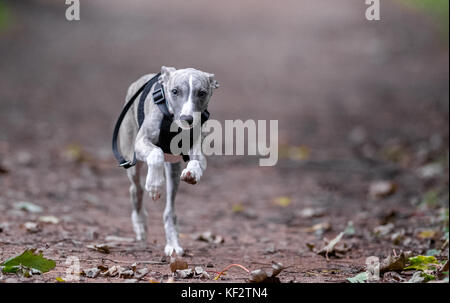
[170,248]
[192,173]
[154,190]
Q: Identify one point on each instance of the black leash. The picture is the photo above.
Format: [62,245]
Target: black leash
[146,87]
[165,135]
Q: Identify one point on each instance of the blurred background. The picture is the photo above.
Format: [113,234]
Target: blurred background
[363,109]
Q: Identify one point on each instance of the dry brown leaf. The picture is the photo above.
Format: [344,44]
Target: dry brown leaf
[329,249]
[323,226]
[49,219]
[383,230]
[140,273]
[103,248]
[208,236]
[382,189]
[177,263]
[393,263]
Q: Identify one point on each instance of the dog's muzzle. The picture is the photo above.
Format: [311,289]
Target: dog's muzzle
[187,119]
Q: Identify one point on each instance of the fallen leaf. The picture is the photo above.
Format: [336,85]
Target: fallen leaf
[398,237]
[277,268]
[359,278]
[299,153]
[427,234]
[329,249]
[237,208]
[125,272]
[310,246]
[383,230]
[350,229]
[430,170]
[28,206]
[59,279]
[208,236]
[393,277]
[178,264]
[417,278]
[184,274]
[422,263]
[30,260]
[198,270]
[49,219]
[282,201]
[103,248]
[382,189]
[393,263]
[444,267]
[322,227]
[112,271]
[75,153]
[140,273]
[31,227]
[311,212]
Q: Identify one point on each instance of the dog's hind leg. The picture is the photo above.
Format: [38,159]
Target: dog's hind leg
[139,214]
[172,171]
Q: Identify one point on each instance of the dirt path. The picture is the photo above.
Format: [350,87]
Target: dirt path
[365,101]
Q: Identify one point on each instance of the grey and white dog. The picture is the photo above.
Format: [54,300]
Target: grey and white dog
[187,91]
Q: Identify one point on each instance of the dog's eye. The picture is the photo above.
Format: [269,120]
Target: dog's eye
[202,94]
[175,91]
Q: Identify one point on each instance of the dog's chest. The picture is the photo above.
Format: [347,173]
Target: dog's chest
[172,158]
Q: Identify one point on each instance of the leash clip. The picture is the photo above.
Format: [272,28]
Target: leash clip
[126,164]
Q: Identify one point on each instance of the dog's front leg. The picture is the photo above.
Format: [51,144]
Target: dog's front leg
[154,157]
[195,167]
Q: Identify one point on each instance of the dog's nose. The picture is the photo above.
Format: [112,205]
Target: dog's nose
[188,119]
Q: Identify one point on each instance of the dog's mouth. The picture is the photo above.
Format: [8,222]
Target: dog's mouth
[184,125]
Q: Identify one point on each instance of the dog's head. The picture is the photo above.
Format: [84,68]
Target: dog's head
[187,91]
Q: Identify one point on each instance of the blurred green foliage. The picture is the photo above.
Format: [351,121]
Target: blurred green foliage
[4,15]
[437,9]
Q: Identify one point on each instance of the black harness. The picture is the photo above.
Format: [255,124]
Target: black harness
[165,135]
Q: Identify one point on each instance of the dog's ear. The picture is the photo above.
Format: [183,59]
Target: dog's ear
[165,73]
[212,81]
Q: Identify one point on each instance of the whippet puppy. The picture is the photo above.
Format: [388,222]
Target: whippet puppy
[187,91]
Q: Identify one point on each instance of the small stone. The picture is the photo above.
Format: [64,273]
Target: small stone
[184,274]
[140,273]
[198,270]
